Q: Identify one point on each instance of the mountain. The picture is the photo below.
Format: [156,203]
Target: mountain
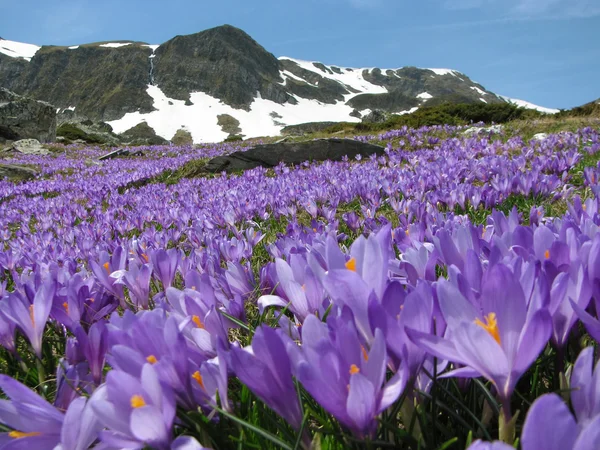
[216,83]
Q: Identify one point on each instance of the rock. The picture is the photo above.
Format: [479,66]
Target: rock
[14,172]
[376,116]
[182,137]
[539,136]
[121,152]
[24,118]
[269,155]
[229,124]
[496,129]
[28,147]
[142,134]
[88,132]
[306,128]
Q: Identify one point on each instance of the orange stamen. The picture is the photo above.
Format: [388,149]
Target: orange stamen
[490,325]
[547,254]
[137,401]
[152,359]
[364,353]
[31,314]
[196,376]
[351,264]
[197,321]
[105,265]
[354,369]
[66,306]
[20,434]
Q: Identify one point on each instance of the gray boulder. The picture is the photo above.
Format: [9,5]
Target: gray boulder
[270,155]
[24,118]
[14,172]
[28,147]
[376,116]
[142,134]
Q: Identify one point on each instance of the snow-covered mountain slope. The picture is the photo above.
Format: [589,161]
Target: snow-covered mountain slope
[528,105]
[18,49]
[245,90]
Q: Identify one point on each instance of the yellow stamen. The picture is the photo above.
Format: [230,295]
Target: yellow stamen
[354,369]
[152,359]
[137,401]
[196,376]
[351,264]
[364,353]
[547,254]
[66,306]
[105,265]
[20,434]
[407,232]
[490,325]
[145,257]
[584,206]
[31,314]
[197,321]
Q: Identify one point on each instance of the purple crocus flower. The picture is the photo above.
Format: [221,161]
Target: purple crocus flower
[549,425]
[585,395]
[93,345]
[345,378]
[497,338]
[137,280]
[31,318]
[303,299]
[35,422]
[80,426]
[137,411]
[265,368]
[165,263]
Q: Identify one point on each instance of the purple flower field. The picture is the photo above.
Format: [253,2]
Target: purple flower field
[444,296]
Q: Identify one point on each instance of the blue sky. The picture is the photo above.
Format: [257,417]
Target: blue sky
[543,51]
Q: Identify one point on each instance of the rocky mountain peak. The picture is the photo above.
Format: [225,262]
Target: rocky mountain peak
[223,62]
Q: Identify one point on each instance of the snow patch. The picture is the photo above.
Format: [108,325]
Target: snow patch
[425,95]
[408,111]
[73,47]
[444,71]
[153,46]
[200,118]
[18,49]
[483,100]
[352,78]
[524,104]
[115,44]
[479,91]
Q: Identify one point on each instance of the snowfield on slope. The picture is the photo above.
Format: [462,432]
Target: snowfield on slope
[18,49]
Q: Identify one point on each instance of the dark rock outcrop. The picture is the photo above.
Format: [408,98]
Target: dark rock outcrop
[102,83]
[376,116]
[182,137]
[14,172]
[270,155]
[24,118]
[142,134]
[223,62]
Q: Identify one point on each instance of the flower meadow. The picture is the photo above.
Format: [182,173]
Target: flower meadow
[443,296]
